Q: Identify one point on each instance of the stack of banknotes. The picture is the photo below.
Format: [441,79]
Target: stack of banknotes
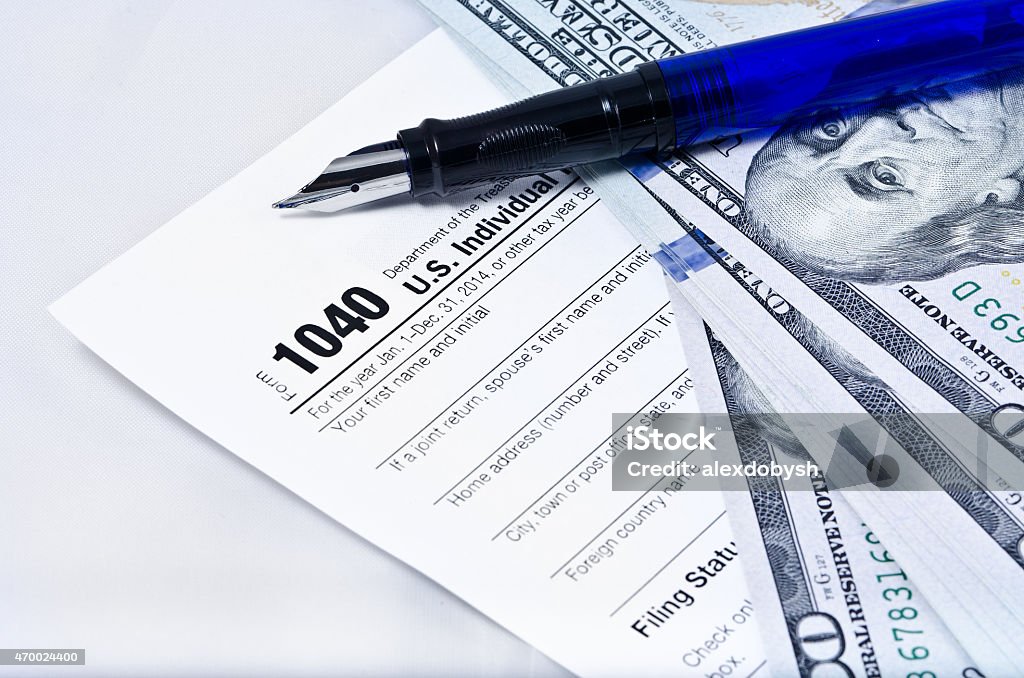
[861,273]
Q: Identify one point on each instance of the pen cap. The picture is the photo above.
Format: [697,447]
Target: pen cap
[764,82]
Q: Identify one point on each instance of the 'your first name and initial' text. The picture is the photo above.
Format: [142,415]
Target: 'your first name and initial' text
[557,196]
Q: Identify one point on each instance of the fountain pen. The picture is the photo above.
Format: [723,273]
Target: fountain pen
[684,100]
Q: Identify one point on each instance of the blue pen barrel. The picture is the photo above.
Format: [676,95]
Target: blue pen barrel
[697,97]
[763,83]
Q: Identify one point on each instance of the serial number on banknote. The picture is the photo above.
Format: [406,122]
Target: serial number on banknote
[901,611]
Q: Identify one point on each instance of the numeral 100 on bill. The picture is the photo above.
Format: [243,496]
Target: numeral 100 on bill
[357,306]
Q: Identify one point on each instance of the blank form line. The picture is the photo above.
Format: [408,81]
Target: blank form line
[615,519]
[605,528]
[670,561]
[560,394]
[587,455]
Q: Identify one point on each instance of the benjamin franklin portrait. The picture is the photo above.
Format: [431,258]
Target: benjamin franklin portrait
[909,189]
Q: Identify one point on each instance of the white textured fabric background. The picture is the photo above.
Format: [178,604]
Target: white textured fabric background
[123,530]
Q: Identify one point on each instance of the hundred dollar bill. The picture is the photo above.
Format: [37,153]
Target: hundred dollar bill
[832,599]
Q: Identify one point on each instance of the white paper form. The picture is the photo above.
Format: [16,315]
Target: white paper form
[440,376]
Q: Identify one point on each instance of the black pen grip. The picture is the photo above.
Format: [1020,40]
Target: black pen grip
[599,120]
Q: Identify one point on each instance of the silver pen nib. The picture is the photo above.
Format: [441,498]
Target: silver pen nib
[355,179]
